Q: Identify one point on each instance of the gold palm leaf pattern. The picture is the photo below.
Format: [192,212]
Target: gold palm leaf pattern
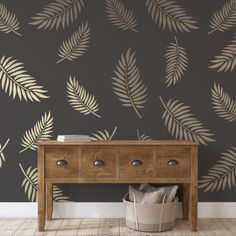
[80,99]
[223,104]
[127,84]
[103,135]
[120,16]
[15,81]
[224,18]
[39,132]
[226,61]
[222,174]
[58,13]
[76,45]
[8,21]
[30,185]
[181,123]
[58,195]
[167,13]
[176,63]
[2,157]
[142,137]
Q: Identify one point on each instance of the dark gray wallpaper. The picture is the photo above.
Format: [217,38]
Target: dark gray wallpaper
[117,69]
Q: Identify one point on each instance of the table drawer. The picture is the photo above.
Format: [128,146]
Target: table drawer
[62,162]
[97,162]
[173,162]
[136,162]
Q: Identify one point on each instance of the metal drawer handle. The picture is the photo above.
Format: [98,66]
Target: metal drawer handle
[61,163]
[173,162]
[136,163]
[99,163]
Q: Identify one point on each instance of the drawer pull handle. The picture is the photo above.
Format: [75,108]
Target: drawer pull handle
[99,163]
[173,162]
[136,163]
[61,162]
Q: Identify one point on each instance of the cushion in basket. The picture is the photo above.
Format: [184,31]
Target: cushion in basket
[135,192]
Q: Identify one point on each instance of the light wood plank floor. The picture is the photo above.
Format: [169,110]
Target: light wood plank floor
[110,227]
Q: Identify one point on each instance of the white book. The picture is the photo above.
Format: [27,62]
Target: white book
[74,140]
[73,136]
[81,139]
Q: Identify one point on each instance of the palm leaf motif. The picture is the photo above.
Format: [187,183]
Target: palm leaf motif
[2,157]
[41,131]
[127,84]
[76,45]
[224,18]
[226,61]
[80,99]
[223,104]
[8,21]
[222,174]
[176,63]
[15,81]
[103,135]
[181,123]
[58,195]
[142,137]
[167,13]
[120,16]
[58,13]
[30,185]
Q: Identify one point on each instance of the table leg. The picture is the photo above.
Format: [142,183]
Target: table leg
[185,201]
[194,202]
[41,208]
[194,187]
[49,200]
[41,190]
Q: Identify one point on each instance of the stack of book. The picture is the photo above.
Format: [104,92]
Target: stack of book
[74,138]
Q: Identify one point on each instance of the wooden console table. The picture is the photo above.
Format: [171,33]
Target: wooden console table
[123,161]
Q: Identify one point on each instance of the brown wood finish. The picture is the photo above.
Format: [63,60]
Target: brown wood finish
[49,200]
[118,180]
[89,155]
[41,189]
[117,167]
[194,187]
[120,143]
[67,154]
[128,155]
[185,201]
[165,154]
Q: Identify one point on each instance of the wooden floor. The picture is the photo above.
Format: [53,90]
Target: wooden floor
[109,227]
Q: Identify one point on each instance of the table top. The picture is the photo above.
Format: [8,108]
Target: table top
[117,143]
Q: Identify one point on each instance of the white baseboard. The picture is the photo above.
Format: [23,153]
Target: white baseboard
[106,210]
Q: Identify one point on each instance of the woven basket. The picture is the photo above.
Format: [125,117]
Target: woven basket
[150,217]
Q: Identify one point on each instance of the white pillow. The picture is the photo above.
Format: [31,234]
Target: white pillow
[135,192]
[147,188]
[150,194]
[168,192]
[151,198]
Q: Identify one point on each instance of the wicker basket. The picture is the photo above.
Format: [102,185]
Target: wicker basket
[150,217]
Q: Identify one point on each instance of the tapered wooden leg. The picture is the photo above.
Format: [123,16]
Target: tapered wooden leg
[185,201]
[194,202]
[41,190]
[41,208]
[49,208]
[194,187]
